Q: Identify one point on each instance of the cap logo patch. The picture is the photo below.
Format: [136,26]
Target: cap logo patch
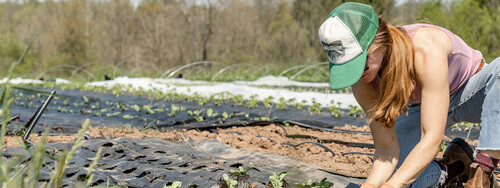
[334,50]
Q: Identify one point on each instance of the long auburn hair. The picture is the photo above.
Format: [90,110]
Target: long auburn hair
[397,73]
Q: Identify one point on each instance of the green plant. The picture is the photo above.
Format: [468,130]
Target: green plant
[197,114]
[300,105]
[443,146]
[240,171]
[253,102]
[268,101]
[334,110]
[310,184]
[136,108]
[277,180]
[355,111]
[148,108]
[173,110]
[315,108]
[211,113]
[175,184]
[202,100]
[230,182]
[282,104]
[238,100]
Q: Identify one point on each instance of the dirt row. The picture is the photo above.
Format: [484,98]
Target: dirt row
[273,139]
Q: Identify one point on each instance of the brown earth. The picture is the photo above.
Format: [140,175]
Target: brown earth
[352,164]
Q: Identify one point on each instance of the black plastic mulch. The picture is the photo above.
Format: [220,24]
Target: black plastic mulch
[68,110]
[155,162]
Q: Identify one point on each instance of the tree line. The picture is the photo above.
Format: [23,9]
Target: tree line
[97,36]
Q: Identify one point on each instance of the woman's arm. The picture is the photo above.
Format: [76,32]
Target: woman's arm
[431,47]
[385,140]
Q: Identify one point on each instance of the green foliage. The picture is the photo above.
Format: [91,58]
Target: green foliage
[443,146]
[282,104]
[175,184]
[310,184]
[268,101]
[231,183]
[240,171]
[334,109]
[277,180]
[472,20]
[252,103]
[211,113]
[197,114]
[315,108]
[355,111]
[238,100]
[173,110]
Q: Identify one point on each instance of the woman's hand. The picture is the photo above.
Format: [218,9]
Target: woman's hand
[371,185]
[368,185]
[386,185]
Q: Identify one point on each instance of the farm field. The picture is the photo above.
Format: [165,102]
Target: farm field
[153,132]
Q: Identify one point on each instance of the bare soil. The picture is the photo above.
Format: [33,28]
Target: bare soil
[265,139]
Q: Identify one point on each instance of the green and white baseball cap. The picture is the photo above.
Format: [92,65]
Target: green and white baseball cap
[346,36]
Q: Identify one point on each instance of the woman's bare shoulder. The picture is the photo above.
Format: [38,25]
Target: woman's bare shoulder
[431,40]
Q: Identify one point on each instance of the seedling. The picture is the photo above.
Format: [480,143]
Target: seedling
[197,114]
[334,110]
[202,101]
[253,102]
[315,108]
[443,146]
[268,101]
[277,180]
[240,171]
[355,111]
[136,108]
[282,104]
[300,105]
[128,117]
[322,184]
[85,99]
[173,110]
[238,100]
[175,184]
[231,183]
[148,108]
[225,115]
[211,113]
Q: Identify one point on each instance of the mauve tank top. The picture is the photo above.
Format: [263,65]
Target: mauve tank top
[463,61]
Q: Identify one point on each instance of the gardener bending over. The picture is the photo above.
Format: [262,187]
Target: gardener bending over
[413,82]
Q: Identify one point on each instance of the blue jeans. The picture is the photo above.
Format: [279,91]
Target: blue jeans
[478,101]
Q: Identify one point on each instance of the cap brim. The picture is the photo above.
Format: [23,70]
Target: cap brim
[347,74]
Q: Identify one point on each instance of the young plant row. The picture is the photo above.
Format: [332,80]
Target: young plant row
[240,178]
[310,89]
[216,99]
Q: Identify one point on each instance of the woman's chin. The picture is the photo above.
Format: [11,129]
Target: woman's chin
[366,79]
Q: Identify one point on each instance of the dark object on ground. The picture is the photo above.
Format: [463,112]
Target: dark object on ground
[33,120]
[106,77]
[479,178]
[458,158]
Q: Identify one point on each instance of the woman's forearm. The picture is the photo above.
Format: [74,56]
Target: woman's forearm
[384,164]
[416,162]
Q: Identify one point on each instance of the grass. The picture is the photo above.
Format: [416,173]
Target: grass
[14,172]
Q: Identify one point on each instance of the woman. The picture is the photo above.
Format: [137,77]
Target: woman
[413,82]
